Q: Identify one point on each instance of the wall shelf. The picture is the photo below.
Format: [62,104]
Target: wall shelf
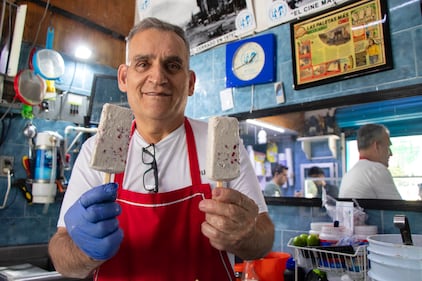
[330,139]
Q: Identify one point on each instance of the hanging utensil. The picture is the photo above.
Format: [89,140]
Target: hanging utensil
[48,63]
[21,184]
[29,87]
[30,131]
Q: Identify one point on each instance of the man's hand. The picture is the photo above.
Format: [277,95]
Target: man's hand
[230,221]
[92,222]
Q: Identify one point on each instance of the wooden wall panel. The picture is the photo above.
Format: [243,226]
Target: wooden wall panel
[114,15]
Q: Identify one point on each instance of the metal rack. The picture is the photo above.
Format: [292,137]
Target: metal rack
[337,260]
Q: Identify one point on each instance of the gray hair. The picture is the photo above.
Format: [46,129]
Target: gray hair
[368,134]
[151,22]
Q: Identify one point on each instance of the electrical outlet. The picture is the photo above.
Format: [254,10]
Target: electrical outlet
[5,162]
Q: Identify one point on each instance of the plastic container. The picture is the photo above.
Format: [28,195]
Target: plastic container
[330,235]
[392,245]
[363,231]
[316,227]
[272,266]
[391,260]
[249,273]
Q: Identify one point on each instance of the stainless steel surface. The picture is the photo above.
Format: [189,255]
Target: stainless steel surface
[401,222]
[27,271]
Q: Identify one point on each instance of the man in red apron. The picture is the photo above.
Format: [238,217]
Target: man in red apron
[181,233]
[157,222]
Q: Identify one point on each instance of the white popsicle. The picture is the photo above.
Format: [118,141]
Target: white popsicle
[112,140]
[223,162]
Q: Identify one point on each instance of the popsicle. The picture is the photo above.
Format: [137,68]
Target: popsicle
[112,140]
[223,149]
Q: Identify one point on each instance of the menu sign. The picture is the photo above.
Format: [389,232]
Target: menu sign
[342,43]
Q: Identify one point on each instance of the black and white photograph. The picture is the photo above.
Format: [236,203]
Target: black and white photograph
[203,20]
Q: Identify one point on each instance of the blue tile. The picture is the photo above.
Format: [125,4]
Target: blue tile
[399,10]
[417,41]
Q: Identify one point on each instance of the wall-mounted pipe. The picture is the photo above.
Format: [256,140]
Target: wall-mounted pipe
[80,130]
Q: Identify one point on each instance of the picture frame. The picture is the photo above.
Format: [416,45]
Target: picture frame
[341,43]
[330,171]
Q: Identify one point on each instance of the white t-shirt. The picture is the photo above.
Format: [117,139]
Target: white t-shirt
[173,168]
[368,179]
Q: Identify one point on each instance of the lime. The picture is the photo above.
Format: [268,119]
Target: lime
[299,241]
[304,236]
[313,240]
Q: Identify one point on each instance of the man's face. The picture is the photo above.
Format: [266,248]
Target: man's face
[157,78]
[281,177]
[383,149]
[318,179]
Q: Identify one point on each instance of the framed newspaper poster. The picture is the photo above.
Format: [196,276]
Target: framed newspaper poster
[342,43]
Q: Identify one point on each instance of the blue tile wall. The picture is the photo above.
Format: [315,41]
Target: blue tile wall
[406,49]
[22,223]
[34,224]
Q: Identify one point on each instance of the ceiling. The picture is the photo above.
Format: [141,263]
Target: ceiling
[100,24]
[250,132]
[284,125]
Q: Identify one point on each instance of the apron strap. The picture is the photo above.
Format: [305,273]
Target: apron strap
[192,154]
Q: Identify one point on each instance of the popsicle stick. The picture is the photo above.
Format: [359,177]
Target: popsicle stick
[107,177]
[220,184]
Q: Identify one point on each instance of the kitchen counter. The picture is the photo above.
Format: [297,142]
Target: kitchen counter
[27,271]
[28,262]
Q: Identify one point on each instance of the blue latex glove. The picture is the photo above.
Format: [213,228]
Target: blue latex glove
[92,222]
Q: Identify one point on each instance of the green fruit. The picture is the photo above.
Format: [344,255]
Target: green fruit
[304,236]
[299,241]
[313,240]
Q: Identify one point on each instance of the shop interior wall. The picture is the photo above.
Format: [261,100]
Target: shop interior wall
[34,224]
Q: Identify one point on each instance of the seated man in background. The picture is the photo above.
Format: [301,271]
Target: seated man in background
[318,174]
[370,177]
[273,187]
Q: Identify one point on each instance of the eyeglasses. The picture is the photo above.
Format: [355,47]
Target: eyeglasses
[150,178]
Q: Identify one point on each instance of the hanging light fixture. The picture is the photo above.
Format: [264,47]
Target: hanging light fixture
[83,52]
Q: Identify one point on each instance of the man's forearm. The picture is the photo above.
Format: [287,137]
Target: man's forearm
[68,259]
[260,243]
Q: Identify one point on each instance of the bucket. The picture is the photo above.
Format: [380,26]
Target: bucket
[272,266]
[392,260]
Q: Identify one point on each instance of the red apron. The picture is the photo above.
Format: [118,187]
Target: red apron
[162,234]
